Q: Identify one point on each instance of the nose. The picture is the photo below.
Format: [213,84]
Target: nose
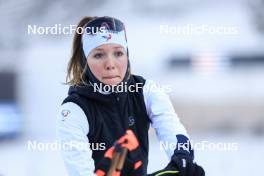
[110,63]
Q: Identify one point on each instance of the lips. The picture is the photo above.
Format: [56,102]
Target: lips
[111,77]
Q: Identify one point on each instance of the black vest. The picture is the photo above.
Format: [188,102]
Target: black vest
[109,116]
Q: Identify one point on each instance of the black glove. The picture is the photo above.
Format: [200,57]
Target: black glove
[185,165]
[181,163]
[173,170]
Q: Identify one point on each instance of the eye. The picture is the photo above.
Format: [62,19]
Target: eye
[98,55]
[119,53]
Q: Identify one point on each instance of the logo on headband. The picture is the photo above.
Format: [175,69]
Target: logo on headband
[107,37]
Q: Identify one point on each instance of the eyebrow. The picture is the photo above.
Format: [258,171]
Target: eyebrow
[116,47]
[99,49]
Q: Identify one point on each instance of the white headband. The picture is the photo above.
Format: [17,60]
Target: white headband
[93,41]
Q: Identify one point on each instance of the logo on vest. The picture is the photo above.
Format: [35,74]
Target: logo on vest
[131,121]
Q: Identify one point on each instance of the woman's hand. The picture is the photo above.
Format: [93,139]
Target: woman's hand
[182,161]
[127,141]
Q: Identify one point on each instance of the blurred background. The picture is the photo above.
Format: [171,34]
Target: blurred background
[210,53]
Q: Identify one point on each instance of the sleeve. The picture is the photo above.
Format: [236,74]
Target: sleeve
[72,128]
[163,117]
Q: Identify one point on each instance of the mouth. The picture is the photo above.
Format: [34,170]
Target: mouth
[111,77]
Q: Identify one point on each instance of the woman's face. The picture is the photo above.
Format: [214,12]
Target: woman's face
[108,63]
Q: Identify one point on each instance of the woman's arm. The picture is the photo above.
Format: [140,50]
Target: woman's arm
[169,129]
[72,128]
[162,115]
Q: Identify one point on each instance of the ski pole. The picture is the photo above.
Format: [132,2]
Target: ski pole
[118,161]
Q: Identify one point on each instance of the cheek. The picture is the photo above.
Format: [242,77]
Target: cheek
[95,67]
[123,66]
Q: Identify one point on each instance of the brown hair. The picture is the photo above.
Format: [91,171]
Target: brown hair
[75,70]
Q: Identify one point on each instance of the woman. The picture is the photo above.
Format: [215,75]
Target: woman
[96,112]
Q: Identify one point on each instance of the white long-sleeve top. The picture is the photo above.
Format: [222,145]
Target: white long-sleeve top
[72,126]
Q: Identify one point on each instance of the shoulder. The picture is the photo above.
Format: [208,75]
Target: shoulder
[69,108]
[73,96]
[71,115]
[151,88]
[156,95]
[148,84]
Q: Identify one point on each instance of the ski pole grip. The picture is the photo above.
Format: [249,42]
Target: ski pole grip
[122,159]
[114,164]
